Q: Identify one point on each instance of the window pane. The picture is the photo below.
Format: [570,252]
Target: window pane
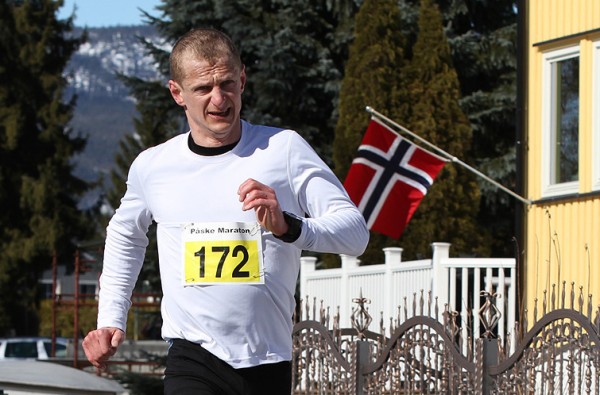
[21,350]
[60,349]
[565,129]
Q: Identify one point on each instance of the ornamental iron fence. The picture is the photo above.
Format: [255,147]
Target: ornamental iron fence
[422,350]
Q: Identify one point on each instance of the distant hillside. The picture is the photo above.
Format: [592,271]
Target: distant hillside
[105,111]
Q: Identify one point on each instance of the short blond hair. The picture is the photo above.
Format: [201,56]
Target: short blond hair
[202,43]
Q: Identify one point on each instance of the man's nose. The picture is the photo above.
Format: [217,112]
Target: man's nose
[218,96]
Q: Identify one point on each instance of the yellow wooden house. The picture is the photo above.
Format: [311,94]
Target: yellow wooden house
[561,150]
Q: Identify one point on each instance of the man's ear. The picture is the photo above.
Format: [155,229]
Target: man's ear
[243,78]
[175,90]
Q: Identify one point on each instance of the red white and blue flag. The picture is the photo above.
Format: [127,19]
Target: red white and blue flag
[389,177]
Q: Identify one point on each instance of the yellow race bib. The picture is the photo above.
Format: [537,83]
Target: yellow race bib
[222,253]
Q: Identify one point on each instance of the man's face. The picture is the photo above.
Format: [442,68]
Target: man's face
[211,95]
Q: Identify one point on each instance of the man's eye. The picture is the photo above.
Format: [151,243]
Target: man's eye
[228,85]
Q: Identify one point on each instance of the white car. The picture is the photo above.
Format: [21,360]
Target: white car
[31,348]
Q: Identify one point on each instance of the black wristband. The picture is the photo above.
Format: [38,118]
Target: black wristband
[294,228]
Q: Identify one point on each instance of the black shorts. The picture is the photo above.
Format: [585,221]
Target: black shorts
[191,370]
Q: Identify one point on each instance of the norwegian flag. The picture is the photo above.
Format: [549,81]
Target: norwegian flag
[389,177]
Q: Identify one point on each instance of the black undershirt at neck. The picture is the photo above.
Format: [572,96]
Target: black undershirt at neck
[209,151]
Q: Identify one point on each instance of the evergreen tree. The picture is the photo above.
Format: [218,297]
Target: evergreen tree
[482,37]
[373,77]
[446,213]
[425,98]
[298,63]
[38,191]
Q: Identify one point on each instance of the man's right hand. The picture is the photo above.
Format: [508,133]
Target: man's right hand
[101,344]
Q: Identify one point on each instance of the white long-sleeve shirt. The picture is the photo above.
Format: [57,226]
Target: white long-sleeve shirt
[242,324]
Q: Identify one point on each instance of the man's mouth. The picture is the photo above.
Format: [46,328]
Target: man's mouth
[220,113]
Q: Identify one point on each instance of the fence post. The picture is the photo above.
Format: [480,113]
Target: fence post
[393,256]
[349,263]
[490,357]
[439,277]
[361,360]
[307,265]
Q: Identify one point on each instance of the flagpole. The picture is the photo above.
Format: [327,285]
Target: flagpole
[452,158]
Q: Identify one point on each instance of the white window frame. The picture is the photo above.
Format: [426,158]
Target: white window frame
[550,189]
[596,118]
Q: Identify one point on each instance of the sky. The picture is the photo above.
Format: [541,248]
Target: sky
[104,13]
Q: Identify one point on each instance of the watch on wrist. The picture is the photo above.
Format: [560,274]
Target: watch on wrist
[294,228]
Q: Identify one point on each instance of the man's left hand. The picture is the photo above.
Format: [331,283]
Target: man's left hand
[262,198]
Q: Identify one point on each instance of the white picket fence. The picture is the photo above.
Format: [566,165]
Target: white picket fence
[457,282]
